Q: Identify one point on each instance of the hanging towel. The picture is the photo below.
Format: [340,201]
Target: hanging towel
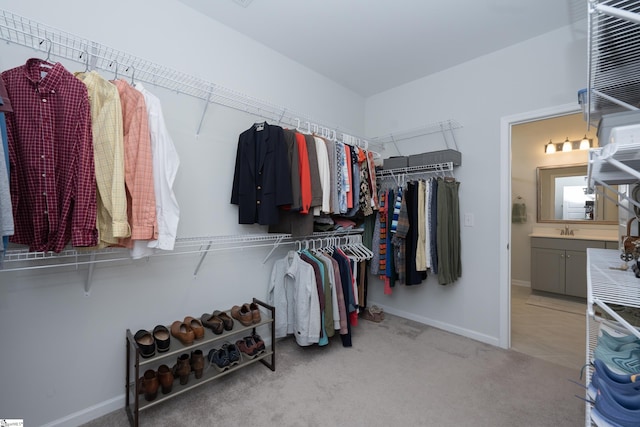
[519,211]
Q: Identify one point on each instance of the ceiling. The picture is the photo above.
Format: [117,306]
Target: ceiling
[371,46]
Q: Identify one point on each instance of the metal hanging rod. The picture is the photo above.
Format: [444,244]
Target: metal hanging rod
[437,127]
[57,43]
[436,168]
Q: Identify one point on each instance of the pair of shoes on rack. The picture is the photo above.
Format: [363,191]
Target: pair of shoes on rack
[189,363]
[611,409]
[225,357]
[218,321]
[187,330]
[148,342]
[623,384]
[252,345]
[152,380]
[626,361]
[618,342]
[248,314]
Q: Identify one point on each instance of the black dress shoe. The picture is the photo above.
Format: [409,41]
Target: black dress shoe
[145,342]
[162,337]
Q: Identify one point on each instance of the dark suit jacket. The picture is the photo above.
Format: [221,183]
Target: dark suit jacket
[262,178]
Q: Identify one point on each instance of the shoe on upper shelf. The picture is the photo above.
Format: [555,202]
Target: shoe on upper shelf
[255,312]
[226,320]
[162,337]
[146,343]
[611,409]
[182,332]
[213,322]
[624,384]
[618,343]
[196,325]
[620,362]
[242,314]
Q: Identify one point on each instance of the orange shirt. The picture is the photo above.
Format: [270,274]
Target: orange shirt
[305,173]
[138,165]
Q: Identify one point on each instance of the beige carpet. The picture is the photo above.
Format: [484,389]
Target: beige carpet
[398,372]
[559,304]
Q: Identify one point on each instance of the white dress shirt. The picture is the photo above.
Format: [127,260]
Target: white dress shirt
[165,168]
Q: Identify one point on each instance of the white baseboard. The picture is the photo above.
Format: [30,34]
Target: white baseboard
[440,325]
[90,413]
[522,283]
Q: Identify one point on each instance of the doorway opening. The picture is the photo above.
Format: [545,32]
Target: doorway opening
[527,324]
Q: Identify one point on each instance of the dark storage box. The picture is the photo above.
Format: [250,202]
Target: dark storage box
[395,162]
[433,157]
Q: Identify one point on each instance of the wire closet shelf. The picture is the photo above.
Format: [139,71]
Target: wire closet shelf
[60,44]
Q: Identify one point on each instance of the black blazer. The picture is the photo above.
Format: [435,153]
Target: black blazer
[262,178]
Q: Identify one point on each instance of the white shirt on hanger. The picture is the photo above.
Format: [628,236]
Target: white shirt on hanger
[165,168]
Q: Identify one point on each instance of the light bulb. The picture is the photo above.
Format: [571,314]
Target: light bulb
[566,146]
[550,148]
[584,144]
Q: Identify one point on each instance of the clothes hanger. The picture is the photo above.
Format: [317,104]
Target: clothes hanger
[133,74]
[46,63]
[86,61]
[115,74]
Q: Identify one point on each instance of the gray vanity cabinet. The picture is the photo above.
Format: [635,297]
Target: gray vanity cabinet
[560,265]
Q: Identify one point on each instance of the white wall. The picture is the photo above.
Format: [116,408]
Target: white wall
[541,72]
[63,354]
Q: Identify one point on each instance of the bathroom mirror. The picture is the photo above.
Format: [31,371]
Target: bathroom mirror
[563,197]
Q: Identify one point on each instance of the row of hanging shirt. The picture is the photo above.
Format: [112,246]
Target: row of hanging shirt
[318,292]
[286,179]
[91,163]
[417,230]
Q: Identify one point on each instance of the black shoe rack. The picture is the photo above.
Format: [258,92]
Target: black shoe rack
[136,364]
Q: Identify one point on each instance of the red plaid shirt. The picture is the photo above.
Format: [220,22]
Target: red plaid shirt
[53,187]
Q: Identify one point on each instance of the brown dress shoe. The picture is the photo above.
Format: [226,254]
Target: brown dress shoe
[165,378]
[255,312]
[212,322]
[226,320]
[182,369]
[197,362]
[196,325]
[150,385]
[182,332]
[242,314]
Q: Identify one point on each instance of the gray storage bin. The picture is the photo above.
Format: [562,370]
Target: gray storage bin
[395,162]
[433,157]
[610,121]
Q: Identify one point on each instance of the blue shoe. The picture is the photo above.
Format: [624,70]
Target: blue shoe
[614,410]
[619,384]
[620,362]
[626,342]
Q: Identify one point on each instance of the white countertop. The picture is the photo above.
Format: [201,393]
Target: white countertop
[607,235]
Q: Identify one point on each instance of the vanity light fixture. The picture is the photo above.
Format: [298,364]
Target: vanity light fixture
[585,144]
[567,145]
[550,148]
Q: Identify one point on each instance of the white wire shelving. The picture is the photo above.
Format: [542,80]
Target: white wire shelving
[613,80]
[56,43]
[442,169]
[23,259]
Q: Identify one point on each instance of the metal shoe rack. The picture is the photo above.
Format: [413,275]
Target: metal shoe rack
[136,365]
